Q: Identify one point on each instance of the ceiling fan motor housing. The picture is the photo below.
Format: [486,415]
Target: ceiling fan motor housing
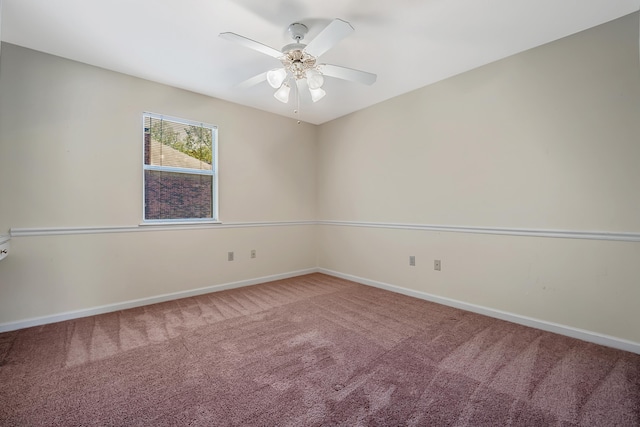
[298,62]
[295,59]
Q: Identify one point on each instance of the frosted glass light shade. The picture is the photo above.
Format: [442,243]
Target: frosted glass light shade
[276,77]
[317,94]
[315,80]
[282,94]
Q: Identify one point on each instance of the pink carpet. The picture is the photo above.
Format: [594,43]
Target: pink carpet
[309,351]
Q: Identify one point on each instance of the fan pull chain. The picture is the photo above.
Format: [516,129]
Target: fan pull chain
[297,110]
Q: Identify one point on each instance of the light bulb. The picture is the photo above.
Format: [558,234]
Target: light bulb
[282,94]
[276,77]
[317,94]
[314,79]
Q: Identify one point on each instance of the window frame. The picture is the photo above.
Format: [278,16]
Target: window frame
[172,169]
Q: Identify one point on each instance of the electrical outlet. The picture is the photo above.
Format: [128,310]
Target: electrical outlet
[253,253]
[230,256]
[412,260]
[436,264]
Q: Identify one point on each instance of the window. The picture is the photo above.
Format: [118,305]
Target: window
[180,173]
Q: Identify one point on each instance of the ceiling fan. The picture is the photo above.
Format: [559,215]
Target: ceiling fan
[300,62]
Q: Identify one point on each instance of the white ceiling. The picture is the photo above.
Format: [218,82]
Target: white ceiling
[407,43]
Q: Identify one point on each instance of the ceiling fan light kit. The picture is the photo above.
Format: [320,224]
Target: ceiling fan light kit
[314,79]
[317,94]
[282,94]
[300,61]
[276,77]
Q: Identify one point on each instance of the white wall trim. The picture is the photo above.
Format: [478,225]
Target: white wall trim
[533,232]
[76,314]
[569,331]
[581,334]
[57,231]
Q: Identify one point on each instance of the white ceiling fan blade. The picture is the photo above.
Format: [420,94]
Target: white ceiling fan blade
[252,81]
[251,44]
[329,37]
[345,73]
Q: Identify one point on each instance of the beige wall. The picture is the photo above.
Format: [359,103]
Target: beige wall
[52,275]
[72,153]
[544,139]
[547,139]
[71,156]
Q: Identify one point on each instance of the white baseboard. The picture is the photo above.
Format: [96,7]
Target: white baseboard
[569,331]
[581,334]
[38,321]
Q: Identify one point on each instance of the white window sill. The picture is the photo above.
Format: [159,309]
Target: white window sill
[177,223]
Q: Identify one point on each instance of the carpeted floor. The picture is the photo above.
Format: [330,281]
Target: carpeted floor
[309,351]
